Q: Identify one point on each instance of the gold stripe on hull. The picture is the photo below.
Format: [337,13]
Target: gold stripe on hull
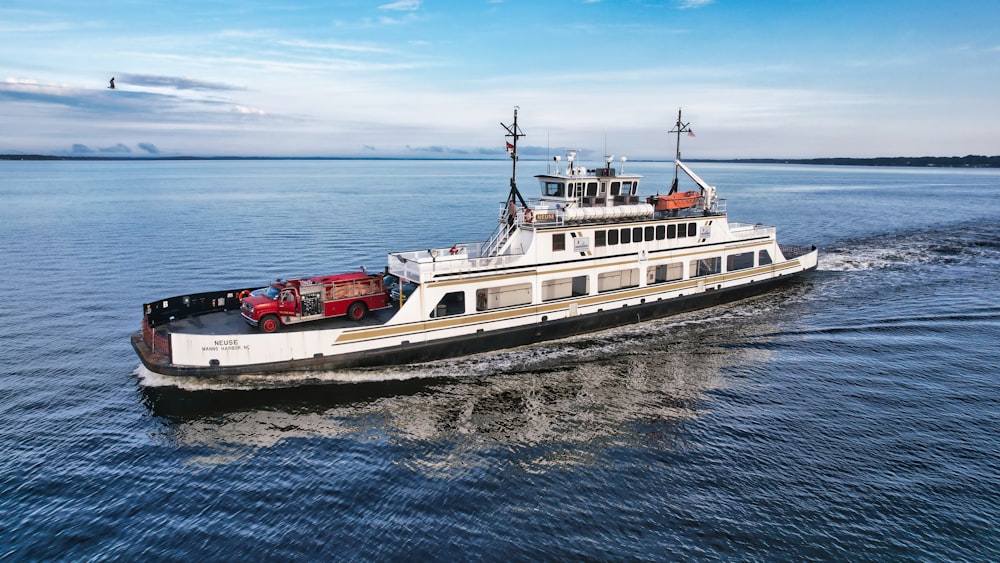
[590,300]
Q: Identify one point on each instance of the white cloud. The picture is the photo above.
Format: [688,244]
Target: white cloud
[334,46]
[248,111]
[402,5]
[685,4]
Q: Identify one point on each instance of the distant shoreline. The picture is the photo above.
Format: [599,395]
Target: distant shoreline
[969,161]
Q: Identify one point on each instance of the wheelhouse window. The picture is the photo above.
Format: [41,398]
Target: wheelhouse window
[706,266]
[739,261]
[692,229]
[610,281]
[555,189]
[506,296]
[613,237]
[628,188]
[451,304]
[600,238]
[636,234]
[616,188]
[558,241]
[563,288]
[664,273]
[763,258]
[671,231]
[626,236]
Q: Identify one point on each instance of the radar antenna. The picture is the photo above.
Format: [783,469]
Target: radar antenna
[514,133]
[679,127]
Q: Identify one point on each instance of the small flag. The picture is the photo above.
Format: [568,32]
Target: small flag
[510,147]
[690,133]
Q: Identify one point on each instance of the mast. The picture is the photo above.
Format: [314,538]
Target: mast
[514,132]
[679,127]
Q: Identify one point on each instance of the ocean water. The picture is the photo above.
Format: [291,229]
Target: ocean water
[852,415]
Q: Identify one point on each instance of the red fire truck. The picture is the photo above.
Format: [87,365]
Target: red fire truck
[286,302]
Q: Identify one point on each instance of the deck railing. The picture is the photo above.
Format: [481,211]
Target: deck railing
[420,265]
[191,305]
[743,231]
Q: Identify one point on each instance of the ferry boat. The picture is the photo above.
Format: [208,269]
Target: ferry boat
[588,254]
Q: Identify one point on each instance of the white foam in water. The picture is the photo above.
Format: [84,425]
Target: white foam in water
[251,381]
[893,252]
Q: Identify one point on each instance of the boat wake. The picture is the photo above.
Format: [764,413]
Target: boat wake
[958,245]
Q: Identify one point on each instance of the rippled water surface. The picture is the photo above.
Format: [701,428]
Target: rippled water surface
[851,415]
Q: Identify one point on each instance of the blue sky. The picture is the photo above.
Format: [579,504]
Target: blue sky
[418,78]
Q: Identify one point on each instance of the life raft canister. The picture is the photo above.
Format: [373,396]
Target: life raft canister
[529,215]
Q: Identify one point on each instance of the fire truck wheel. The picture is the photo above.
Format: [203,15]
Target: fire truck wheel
[357,310]
[270,323]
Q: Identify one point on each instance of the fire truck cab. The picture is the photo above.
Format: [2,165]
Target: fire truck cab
[286,302]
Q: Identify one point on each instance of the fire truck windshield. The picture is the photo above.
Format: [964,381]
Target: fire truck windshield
[272,292]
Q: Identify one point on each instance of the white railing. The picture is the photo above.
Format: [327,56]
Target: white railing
[422,265]
[499,236]
[743,231]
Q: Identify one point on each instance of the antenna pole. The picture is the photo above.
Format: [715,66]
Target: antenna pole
[679,127]
[514,132]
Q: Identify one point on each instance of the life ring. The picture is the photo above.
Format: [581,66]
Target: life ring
[244,294]
[529,215]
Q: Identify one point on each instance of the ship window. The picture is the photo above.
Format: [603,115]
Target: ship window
[559,241]
[648,233]
[451,304]
[665,273]
[506,296]
[592,189]
[739,261]
[613,236]
[626,236]
[610,281]
[636,234]
[763,258]
[600,238]
[706,266]
[627,188]
[616,188]
[681,231]
[671,231]
[692,229]
[661,232]
[562,288]
[556,189]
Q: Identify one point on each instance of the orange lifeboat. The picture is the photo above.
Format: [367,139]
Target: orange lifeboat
[679,200]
